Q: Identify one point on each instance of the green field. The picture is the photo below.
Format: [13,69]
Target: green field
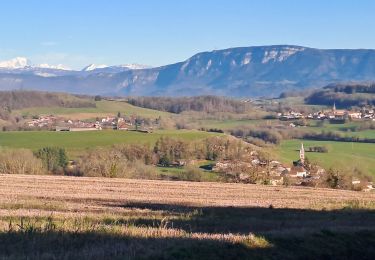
[76,142]
[341,155]
[231,123]
[176,172]
[344,129]
[102,108]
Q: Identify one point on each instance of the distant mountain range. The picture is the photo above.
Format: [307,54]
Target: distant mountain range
[238,72]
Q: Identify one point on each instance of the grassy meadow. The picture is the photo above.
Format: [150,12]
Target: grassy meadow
[75,142]
[56,217]
[344,129]
[342,155]
[231,123]
[103,108]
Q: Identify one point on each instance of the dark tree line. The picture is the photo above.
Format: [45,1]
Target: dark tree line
[333,136]
[353,88]
[208,104]
[267,135]
[344,95]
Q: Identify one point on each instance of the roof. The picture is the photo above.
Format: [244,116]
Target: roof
[296,169]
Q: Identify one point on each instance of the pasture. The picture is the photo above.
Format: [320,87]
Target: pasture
[346,129]
[103,108]
[341,155]
[75,142]
[91,218]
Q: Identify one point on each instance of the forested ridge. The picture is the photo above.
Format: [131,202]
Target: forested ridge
[344,95]
[19,99]
[206,104]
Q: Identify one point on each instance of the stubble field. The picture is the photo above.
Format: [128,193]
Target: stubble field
[72,217]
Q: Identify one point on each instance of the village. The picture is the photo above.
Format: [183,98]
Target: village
[131,123]
[338,115]
[300,173]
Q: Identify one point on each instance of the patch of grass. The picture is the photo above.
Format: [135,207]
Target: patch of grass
[75,142]
[345,129]
[103,108]
[230,123]
[181,173]
[343,155]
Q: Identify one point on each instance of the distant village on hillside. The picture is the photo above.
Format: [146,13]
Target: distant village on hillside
[110,122]
[334,115]
[300,173]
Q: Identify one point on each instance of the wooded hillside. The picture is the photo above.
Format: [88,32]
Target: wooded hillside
[206,104]
[20,99]
[344,95]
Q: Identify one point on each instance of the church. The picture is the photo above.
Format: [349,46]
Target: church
[298,168]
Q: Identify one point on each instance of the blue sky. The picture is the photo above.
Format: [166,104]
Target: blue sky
[79,32]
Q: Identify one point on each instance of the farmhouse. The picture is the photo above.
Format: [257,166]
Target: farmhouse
[298,172]
[354,115]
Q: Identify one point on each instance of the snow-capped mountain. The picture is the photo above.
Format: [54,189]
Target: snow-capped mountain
[241,72]
[93,68]
[16,63]
[22,63]
[134,66]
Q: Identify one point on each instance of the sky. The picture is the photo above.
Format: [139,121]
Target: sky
[158,32]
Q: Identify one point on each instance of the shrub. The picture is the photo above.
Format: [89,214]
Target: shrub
[53,158]
[103,163]
[338,179]
[191,174]
[20,161]
[267,135]
[142,171]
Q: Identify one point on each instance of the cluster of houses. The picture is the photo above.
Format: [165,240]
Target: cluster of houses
[109,122]
[365,113]
[43,121]
[278,174]
[274,170]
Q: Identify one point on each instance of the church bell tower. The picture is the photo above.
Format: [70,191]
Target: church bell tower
[302,154]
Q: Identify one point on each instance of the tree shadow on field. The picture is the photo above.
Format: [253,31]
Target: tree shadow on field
[100,245]
[283,234]
[245,220]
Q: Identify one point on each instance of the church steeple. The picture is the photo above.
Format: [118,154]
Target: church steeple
[334,107]
[302,154]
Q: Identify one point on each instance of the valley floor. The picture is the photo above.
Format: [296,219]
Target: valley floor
[77,217]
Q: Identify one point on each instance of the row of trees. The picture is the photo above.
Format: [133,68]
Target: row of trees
[267,135]
[343,94]
[335,136]
[123,160]
[351,88]
[138,161]
[207,104]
